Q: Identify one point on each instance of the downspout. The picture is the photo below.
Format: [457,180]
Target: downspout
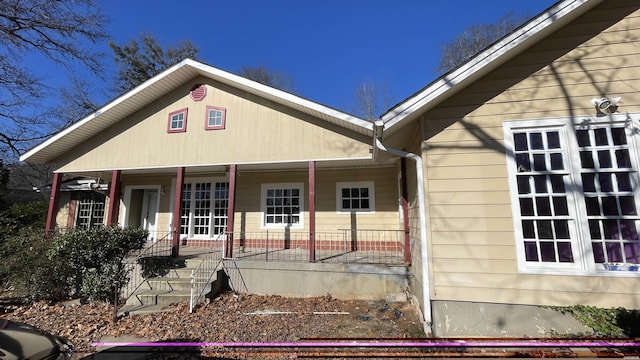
[426,280]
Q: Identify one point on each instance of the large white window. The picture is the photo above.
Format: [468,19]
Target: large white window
[204,209]
[355,197]
[282,205]
[575,195]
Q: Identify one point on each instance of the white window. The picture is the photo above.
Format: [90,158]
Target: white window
[90,213]
[177,121]
[282,205]
[216,118]
[575,196]
[204,209]
[355,197]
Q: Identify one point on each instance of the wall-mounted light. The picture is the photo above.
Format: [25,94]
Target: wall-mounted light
[605,105]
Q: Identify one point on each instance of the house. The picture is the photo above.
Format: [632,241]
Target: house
[530,170]
[507,184]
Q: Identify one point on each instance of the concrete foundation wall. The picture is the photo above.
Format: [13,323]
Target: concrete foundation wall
[460,319]
[343,281]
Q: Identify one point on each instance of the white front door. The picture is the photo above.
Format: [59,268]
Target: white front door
[150,211]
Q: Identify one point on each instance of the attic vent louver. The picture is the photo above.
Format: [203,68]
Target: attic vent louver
[198,92]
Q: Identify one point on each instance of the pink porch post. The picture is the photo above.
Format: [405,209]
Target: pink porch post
[312,211]
[53,203]
[177,212]
[405,211]
[114,198]
[231,209]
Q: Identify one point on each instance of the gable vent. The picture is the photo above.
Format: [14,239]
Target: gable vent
[198,92]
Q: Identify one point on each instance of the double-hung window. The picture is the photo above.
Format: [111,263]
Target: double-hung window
[355,196]
[282,205]
[575,192]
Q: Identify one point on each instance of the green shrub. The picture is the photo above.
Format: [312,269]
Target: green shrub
[25,268]
[92,260]
[82,263]
[606,322]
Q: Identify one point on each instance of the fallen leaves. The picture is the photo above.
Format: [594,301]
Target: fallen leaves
[227,319]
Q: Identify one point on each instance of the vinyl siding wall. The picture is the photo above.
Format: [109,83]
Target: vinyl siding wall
[256,131]
[471,226]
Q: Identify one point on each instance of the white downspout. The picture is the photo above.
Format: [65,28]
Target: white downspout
[426,280]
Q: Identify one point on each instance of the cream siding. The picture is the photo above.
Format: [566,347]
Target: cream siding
[471,226]
[256,131]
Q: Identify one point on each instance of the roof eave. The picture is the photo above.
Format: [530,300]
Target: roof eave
[486,61]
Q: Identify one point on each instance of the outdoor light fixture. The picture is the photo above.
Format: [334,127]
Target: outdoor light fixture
[605,105]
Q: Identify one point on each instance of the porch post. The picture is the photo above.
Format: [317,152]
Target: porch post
[53,203]
[114,198]
[231,209]
[312,211]
[177,212]
[405,210]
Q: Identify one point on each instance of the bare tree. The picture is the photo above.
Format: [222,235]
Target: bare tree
[474,39]
[261,74]
[372,98]
[138,62]
[58,31]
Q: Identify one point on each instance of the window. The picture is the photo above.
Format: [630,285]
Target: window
[177,121]
[204,209]
[216,118]
[355,196]
[282,205]
[575,194]
[90,210]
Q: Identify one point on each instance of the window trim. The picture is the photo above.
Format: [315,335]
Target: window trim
[356,184]
[184,111]
[263,205]
[223,121]
[584,264]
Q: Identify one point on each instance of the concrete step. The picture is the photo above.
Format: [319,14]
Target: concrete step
[181,273]
[144,309]
[169,283]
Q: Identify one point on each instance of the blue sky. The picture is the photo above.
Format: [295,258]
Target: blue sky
[329,47]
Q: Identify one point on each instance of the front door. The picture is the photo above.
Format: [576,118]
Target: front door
[149,212]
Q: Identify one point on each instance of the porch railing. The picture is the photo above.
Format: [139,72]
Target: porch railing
[345,246]
[133,265]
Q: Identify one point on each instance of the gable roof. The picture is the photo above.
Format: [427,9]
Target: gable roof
[536,29]
[152,89]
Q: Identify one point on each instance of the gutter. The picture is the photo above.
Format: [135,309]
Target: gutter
[426,279]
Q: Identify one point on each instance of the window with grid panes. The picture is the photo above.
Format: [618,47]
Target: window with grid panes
[90,210]
[282,205]
[355,196]
[574,187]
[204,209]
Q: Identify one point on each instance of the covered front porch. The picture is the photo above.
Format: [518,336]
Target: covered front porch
[350,212]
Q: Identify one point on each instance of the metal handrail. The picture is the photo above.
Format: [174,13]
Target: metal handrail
[203,274]
[154,249]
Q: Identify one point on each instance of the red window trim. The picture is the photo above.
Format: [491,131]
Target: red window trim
[184,122]
[222,123]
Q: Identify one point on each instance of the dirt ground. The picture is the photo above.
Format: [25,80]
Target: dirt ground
[228,318]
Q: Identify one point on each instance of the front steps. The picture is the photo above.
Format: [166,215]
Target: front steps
[162,293]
